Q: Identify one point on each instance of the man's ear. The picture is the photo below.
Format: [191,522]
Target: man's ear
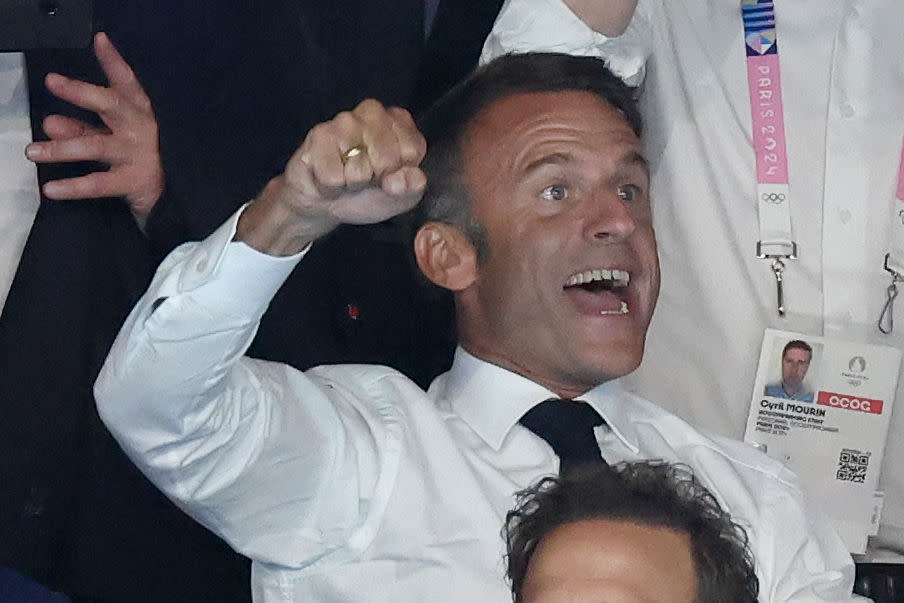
[445,256]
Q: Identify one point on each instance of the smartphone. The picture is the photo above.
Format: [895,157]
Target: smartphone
[50,24]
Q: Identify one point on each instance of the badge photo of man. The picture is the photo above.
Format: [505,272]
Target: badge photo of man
[796,357]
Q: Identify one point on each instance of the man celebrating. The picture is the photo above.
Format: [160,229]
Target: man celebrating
[346,483]
[796,357]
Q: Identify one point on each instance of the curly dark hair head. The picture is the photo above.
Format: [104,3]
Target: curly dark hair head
[653,493]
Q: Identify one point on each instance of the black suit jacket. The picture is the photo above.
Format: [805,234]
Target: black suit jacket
[75,514]
[235,85]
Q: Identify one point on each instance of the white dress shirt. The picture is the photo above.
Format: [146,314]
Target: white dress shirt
[19,197]
[350,483]
[843,89]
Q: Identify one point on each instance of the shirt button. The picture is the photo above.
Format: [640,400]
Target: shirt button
[847,110]
[201,266]
[845,216]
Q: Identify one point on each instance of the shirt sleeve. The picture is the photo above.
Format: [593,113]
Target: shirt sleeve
[550,26]
[223,435]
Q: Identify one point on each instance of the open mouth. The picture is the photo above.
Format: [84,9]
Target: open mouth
[599,291]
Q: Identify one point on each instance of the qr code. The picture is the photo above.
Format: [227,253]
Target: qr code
[852,465]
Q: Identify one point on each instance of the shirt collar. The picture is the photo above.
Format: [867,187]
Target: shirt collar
[491,399]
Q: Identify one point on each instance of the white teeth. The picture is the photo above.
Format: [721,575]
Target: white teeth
[622,310]
[619,278]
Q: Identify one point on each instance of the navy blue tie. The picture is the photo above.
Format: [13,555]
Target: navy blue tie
[567,426]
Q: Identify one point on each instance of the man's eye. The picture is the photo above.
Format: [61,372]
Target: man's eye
[629,192]
[556,192]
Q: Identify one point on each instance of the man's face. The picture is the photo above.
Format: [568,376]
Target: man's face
[611,561]
[560,185]
[795,363]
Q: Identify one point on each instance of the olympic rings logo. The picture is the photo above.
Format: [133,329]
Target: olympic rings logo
[773,198]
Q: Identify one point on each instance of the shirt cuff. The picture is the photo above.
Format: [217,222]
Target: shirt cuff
[550,26]
[230,277]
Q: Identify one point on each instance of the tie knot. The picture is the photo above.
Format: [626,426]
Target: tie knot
[567,426]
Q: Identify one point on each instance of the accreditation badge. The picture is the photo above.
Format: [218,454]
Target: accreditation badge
[822,407]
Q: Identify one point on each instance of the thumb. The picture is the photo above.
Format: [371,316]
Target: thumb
[398,192]
[407,181]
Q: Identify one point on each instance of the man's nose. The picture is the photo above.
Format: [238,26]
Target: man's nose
[608,217]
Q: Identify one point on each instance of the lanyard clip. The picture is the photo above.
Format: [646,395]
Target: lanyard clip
[778,269]
[886,322]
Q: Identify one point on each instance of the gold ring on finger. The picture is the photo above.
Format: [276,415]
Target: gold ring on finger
[358,149]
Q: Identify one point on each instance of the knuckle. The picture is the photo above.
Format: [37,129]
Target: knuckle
[50,150]
[127,76]
[95,146]
[134,138]
[369,107]
[87,186]
[294,178]
[355,176]
[60,150]
[343,120]
[144,105]
[329,175]
[110,103]
[413,150]
[320,133]
[385,158]
[401,115]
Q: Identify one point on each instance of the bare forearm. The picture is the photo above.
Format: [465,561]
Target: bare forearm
[271,227]
[608,17]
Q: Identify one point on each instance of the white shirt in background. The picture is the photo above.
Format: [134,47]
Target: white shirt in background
[19,194]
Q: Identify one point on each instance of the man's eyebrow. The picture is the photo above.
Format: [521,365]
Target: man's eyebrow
[551,159]
[635,158]
[628,162]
